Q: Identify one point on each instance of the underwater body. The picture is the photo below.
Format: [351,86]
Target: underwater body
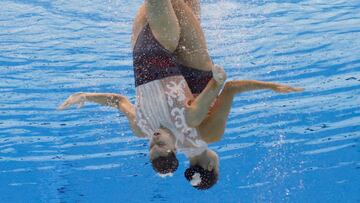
[298,147]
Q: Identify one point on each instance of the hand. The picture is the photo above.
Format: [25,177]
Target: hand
[286,89]
[219,74]
[78,98]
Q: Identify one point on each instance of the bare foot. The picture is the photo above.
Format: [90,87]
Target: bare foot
[219,74]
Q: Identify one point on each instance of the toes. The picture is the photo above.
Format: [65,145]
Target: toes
[219,74]
[292,89]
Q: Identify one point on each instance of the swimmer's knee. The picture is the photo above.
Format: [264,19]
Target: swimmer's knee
[214,135]
[218,135]
[229,87]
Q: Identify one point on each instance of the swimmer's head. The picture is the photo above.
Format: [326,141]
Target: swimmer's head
[163,152]
[203,172]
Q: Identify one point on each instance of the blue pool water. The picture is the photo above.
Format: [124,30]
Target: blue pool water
[301,147]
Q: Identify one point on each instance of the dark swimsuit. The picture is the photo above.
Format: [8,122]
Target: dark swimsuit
[153,62]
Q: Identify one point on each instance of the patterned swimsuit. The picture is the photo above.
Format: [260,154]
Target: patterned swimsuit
[163,87]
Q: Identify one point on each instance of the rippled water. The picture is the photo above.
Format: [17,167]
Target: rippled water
[277,148]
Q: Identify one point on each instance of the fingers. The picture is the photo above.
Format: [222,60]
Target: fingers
[73,99]
[65,105]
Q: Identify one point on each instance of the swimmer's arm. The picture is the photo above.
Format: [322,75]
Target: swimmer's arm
[128,109]
[163,22]
[239,86]
[107,99]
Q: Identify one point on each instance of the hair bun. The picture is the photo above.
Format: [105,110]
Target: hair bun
[200,178]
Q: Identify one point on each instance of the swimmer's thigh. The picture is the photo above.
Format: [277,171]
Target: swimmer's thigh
[213,127]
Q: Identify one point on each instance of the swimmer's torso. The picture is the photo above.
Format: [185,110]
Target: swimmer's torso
[162,85]
[162,92]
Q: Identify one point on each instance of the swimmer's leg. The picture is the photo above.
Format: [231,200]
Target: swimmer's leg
[163,22]
[197,109]
[213,127]
[238,86]
[107,99]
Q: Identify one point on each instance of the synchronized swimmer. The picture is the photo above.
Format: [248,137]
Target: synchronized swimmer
[182,99]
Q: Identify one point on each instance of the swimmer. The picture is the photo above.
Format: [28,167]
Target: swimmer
[182,100]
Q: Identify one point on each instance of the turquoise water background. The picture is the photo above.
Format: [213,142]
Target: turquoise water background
[301,147]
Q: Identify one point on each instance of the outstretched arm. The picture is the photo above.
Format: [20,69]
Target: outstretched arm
[107,99]
[213,127]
